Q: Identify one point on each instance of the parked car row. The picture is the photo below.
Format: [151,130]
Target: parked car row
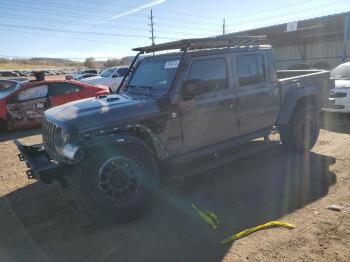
[79,74]
[22,104]
[110,77]
[26,73]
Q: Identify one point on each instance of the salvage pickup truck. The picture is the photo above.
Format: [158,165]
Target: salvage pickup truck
[171,108]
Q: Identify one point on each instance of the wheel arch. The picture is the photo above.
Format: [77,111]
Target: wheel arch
[136,136]
[295,99]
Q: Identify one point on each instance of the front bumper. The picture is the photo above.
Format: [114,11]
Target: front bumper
[41,166]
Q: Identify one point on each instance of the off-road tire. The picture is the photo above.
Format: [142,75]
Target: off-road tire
[301,133]
[99,203]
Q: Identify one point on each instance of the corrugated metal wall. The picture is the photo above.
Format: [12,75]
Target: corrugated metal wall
[330,52]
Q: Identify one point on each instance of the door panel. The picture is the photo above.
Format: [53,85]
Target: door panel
[208,115]
[257,108]
[258,101]
[208,120]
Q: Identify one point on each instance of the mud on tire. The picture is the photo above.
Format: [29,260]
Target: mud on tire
[115,185]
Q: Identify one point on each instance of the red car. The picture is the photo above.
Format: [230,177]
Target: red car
[22,104]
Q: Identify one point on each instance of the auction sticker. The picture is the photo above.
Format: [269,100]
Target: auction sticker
[172,64]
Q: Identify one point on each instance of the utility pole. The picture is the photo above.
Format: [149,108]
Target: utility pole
[224,26]
[152,27]
[346,35]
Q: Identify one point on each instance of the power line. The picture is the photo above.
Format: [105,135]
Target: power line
[271,9]
[95,11]
[70,22]
[67,37]
[23,18]
[158,10]
[76,15]
[76,32]
[284,17]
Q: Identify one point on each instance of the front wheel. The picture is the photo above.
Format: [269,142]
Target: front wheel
[302,131]
[116,185]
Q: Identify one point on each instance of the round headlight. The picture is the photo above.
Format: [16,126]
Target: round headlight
[61,137]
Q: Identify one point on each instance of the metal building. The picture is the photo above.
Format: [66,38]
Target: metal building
[317,40]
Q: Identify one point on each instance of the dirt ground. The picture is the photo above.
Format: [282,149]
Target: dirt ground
[42,223]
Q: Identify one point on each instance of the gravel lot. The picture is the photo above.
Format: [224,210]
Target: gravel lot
[41,223]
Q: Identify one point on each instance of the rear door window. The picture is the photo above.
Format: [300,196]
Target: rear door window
[251,69]
[33,93]
[62,89]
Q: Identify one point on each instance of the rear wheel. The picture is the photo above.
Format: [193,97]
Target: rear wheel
[116,185]
[301,133]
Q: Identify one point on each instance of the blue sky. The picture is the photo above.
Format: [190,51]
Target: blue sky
[110,28]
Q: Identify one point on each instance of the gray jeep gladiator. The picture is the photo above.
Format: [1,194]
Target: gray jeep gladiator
[172,108]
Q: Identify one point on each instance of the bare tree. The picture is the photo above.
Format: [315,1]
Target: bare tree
[90,62]
[111,62]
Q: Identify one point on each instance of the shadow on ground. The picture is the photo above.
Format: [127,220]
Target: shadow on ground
[11,135]
[334,122]
[42,223]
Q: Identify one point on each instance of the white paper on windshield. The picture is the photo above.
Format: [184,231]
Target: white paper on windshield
[172,64]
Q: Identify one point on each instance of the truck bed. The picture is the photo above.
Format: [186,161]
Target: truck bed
[319,79]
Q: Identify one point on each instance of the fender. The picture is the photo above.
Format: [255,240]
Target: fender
[159,150]
[291,100]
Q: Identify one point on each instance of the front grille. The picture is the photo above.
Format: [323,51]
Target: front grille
[48,131]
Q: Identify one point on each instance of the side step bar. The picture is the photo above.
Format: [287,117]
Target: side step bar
[222,158]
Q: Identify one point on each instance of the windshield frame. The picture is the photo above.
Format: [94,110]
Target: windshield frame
[178,56]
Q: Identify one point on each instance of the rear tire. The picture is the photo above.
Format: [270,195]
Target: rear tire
[301,133]
[116,185]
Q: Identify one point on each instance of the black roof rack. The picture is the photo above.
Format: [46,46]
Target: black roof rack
[205,43]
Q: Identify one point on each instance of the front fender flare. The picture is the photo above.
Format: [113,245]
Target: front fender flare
[116,139]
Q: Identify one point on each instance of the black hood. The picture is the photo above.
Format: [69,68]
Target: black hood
[100,111]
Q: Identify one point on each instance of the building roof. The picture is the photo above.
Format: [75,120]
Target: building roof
[320,29]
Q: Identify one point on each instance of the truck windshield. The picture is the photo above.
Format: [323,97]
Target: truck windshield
[154,73]
[9,90]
